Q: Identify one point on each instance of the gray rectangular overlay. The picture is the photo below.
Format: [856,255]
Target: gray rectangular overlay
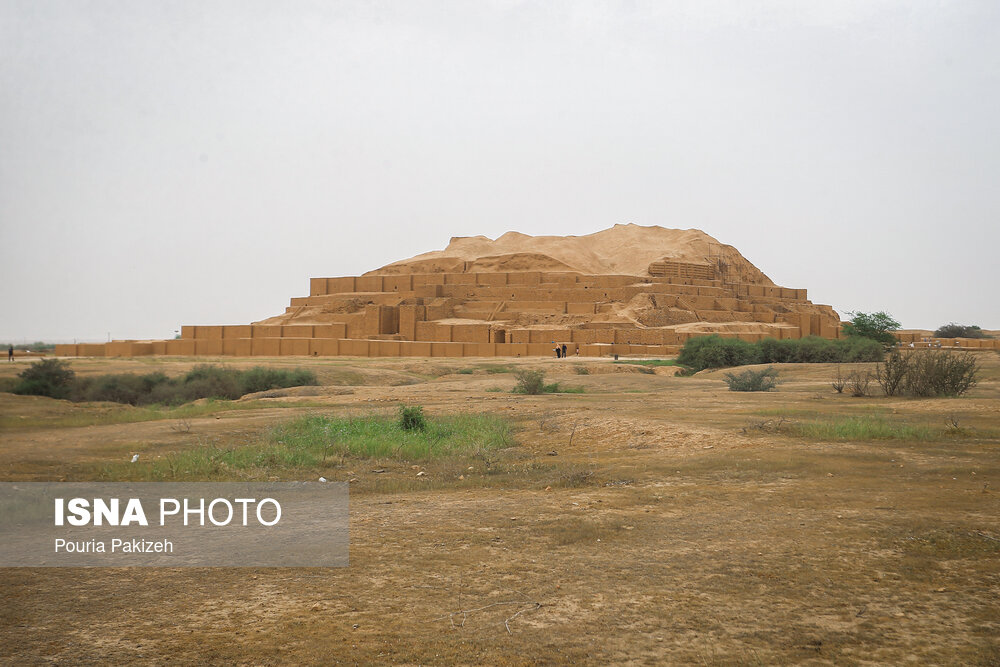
[168,524]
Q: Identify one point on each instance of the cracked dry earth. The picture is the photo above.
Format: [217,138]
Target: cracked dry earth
[649,520]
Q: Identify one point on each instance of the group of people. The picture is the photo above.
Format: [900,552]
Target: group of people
[928,342]
[562,352]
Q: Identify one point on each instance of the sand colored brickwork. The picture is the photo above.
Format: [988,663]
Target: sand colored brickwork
[628,291]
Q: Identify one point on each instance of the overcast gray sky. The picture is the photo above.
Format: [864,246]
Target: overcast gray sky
[168,163]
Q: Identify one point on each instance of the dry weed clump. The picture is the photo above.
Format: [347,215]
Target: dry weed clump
[859,383]
[928,373]
[764,379]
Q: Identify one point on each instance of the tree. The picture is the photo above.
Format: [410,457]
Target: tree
[48,377]
[877,326]
[953,330]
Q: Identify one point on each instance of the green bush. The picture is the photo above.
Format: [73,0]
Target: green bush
[860,349]
[52,377]
[877,326]
[952,330]
[816,350]
[529,382]
[717,352]
[764,379]
[121,388]
[209,381]
[48,377]
[260,378]
[411,418]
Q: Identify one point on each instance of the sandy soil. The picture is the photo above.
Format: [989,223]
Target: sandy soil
[649,520]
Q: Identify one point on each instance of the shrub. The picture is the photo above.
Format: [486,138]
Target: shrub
[529,382]
[952,330]
[925,373]
[411,418]
[52,377]
[840,382]
[941,373]
[860,349]
[877,326]
[774,351]
[859,383]
[816,350]
[764,379]
[260,378]
[48,377]
[301,377]
[716,352]
[890,375]
[713,351]
[208,381]
[121,388]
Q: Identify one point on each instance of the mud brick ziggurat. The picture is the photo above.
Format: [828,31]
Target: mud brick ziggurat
[628,290]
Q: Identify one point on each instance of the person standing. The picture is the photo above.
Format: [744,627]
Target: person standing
[10,353]
[564,348]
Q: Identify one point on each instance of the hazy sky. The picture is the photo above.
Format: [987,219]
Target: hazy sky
[168,163]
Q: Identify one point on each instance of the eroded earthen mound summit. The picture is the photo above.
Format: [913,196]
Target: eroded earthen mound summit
[622,249]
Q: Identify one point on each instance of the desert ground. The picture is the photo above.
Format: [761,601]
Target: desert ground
[650,519]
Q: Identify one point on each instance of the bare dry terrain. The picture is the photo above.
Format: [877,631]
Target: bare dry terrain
[649,520]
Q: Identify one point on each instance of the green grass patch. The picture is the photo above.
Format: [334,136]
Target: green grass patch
[786,412]
[557,388]
[101,416]
[648,362]
[495,369]
[865,410]
[553,388]
[342,377]
[864,427]
[323,440]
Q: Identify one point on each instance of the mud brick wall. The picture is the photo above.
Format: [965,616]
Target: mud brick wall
[402,313]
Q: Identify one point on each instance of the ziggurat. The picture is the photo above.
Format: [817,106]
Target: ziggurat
[628,290]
